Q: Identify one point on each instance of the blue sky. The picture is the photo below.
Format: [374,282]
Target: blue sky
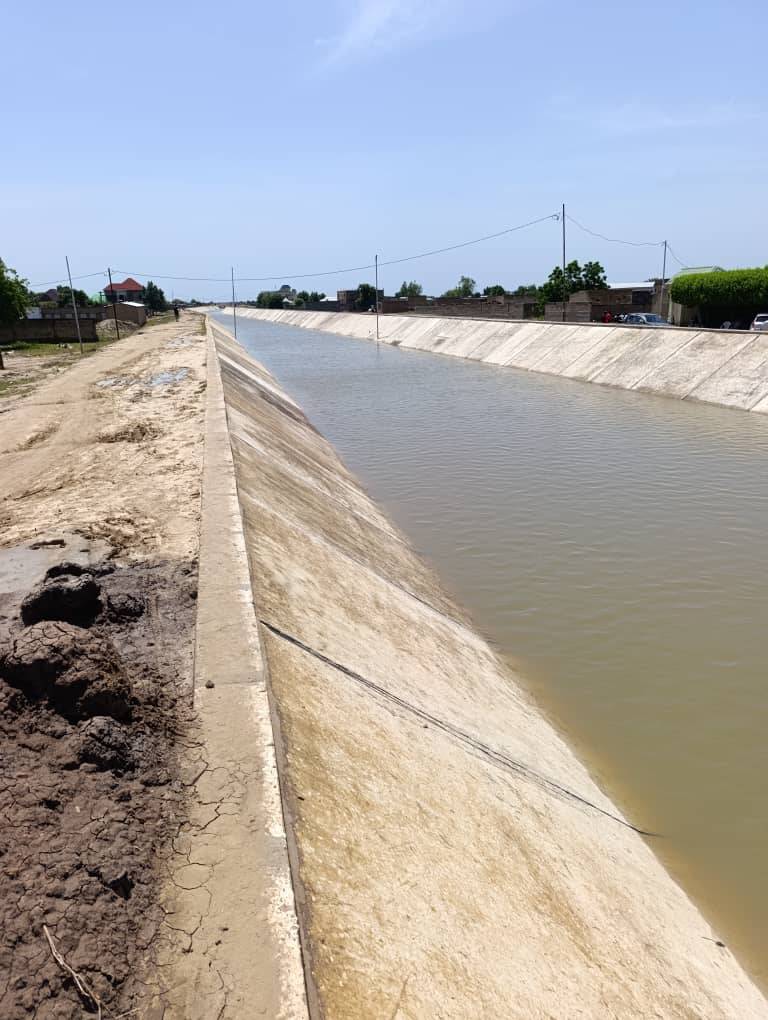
[178,139]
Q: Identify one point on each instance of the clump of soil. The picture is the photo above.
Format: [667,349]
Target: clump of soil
[73,599]
[138,432]
[91,713]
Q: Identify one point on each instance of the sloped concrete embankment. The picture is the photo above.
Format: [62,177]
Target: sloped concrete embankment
[714,366]
[451,857]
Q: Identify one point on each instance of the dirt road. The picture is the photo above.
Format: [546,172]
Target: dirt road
[100,473]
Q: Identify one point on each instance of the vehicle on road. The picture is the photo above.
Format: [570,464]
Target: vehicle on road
[760,321]
[645,319]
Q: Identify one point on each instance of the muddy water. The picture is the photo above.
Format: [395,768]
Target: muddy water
[615,547]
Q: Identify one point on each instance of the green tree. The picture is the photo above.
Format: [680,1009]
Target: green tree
[560,285]
[14,298]
[270,299]
[366,297]
[495,290]
[64,298]
[464,288]
[316,296]
[409,289]
[593,276]
[154,298]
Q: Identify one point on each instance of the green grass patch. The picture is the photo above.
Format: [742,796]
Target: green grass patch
[32,350]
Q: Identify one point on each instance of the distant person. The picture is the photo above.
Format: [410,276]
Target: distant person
[176,312]
[607,317]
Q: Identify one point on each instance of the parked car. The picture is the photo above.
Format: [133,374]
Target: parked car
[644,319]
[760,321]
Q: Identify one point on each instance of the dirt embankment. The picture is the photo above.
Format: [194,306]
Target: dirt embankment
[89,788]
[100,488]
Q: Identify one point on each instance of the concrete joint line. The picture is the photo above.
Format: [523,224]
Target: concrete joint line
[719,368]
[497,758]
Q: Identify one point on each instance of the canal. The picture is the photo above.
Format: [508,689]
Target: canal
[614,548]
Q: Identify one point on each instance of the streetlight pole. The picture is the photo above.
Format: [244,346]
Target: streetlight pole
[663,278]
[113,299]
[376,265]
[74,305]
[565,283]
[234,306]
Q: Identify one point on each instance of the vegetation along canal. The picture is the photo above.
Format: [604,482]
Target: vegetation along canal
[614,546]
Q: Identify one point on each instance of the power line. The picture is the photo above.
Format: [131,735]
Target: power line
[53,283]
[351,269]
[371,265]
[616,240]
[477,240]
[684,265]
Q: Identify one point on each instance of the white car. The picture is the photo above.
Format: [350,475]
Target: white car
[760,321]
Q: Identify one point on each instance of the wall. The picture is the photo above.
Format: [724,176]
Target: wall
[47,330]
[451,857]
[716,366]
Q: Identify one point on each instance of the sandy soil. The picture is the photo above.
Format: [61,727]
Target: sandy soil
[99,512]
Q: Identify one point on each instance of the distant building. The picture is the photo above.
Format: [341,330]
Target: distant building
[128,290]
[346,300]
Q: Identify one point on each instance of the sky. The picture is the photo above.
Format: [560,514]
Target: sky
[182,139]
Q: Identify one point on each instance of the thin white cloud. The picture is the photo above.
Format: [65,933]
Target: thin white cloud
[644,119]
[377,25]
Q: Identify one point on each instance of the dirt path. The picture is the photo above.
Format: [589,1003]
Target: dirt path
[100,474]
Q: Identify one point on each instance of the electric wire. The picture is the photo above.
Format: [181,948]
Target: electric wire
[352,269]
[361,268]
[680,262]
[54,283]
[614,240]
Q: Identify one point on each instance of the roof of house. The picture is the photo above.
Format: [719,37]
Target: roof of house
[127,284]
[642,285]
[699,269]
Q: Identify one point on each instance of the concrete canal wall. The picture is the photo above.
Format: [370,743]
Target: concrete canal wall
[715,366]
[450,855]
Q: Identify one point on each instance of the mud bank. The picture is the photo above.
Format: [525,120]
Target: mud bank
[451,857]
[715,366]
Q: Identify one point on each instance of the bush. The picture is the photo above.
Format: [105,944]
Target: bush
[730,294]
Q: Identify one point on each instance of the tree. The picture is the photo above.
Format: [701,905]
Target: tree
[736,294]
[154,298]
[410,290]
[366,297]
[464,288]
[560,286]
[593,276]
[64,298]
[270,299]
[14,298]
[495,290]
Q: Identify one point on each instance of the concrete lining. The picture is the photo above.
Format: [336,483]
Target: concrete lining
[725,367]
[455,859]
[244,957]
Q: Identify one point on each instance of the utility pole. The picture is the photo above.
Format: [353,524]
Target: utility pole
[74,305]
[663,278]
[565,282]
[234,307]
[376,264]
[113,299]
